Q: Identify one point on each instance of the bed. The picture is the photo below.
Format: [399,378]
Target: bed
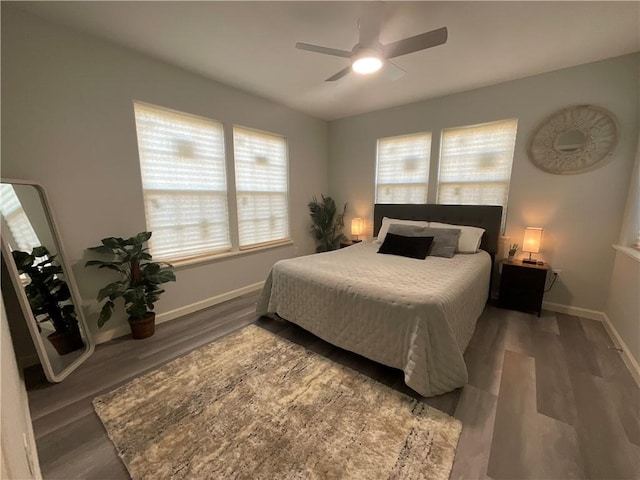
[414,315]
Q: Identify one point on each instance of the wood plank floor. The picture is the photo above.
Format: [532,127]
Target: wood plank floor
[546,398]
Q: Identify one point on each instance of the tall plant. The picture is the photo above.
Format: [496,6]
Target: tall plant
[327,223]
[139,286]
[47,293]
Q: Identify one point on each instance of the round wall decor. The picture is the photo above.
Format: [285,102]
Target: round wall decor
[574,140]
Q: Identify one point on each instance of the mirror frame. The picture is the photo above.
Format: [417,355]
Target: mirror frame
[599,127]
[24,301]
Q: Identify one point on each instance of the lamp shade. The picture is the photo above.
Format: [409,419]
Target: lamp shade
[531,242]
[357,226]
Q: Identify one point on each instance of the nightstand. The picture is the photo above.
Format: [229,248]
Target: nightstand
[522,285]
[348,243]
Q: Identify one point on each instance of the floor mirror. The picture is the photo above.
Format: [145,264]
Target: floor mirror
[42,281]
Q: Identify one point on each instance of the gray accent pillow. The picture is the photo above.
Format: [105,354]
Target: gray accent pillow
[445,240]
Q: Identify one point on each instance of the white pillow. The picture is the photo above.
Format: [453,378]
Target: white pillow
[470,237]
[386,221]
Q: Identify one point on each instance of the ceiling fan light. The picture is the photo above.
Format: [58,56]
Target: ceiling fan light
[366,64]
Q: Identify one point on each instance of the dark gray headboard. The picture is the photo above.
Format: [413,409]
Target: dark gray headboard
[488,217]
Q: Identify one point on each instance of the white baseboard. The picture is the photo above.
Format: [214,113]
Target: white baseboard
[571,310]
[627,358]
[116,332]
[122,330]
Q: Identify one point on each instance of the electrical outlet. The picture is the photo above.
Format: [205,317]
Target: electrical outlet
[557,272]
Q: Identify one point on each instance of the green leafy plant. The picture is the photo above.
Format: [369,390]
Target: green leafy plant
[141,278]
[327,223]
[513,248]
[47,293]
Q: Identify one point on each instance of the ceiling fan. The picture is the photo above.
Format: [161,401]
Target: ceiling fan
[369,55]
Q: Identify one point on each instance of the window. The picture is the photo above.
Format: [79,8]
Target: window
[184,181]
[402,172]
[475,164]
[262,186]
[630,232]
[22,237]
[182,160]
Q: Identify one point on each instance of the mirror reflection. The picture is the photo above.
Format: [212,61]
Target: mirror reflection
[39,277]
[570,141]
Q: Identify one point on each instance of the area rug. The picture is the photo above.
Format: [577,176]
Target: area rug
[254,405]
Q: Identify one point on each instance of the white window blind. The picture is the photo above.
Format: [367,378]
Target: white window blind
[262,186]
[16,219]
[475,164]
[402,173]
[182,160]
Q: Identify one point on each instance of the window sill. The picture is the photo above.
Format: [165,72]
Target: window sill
[628,251]
[182,264]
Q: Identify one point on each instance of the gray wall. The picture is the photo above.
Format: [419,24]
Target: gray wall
[581,214]
[623,305]
[16,420]
[68,123]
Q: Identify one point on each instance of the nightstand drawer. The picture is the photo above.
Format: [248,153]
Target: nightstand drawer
[523,277]
[522,286]
[525,299]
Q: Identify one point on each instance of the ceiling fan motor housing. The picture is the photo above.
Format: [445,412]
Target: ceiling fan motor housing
[366,60]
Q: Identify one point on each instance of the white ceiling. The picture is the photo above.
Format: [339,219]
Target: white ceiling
[250,45]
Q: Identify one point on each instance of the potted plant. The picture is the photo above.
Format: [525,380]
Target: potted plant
[139,286]
[49,298]
[327,223]
[513,248]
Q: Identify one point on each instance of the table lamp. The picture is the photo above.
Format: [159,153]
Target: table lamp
[357,227]
[531,243]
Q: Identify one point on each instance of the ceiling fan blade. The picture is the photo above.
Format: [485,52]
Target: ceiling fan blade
[416,43]
[391,71]
[339,75]
[326,50]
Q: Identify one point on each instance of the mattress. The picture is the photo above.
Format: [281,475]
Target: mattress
[415,315]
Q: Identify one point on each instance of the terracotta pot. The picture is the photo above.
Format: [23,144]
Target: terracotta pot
[143,327]
[66,342]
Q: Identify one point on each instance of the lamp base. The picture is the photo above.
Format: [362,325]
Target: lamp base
[532,261]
